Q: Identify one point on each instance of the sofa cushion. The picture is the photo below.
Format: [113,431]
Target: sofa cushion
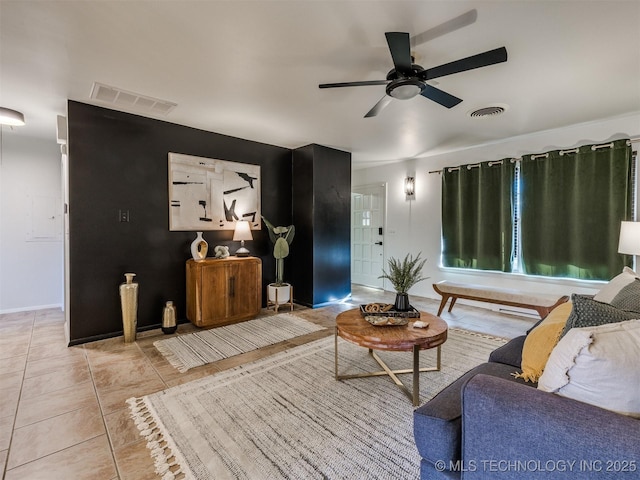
[617,283]
[587,312]
[540,342]
[509,353]
[629,297]
[598,366]
[436,424]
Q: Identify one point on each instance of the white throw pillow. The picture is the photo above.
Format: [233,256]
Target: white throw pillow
[617,283]
[599,366]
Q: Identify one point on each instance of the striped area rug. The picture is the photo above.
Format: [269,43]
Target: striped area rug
[286,417]
[199,348]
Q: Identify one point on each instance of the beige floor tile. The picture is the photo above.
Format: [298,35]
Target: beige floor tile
[134,462]
[27,316]
[54,434]
[121,373]
[10,381]
[39,339]
[99,357]
[41,407]
[6,427]
[55,381]
[14,364]
[114,398]
[121,428]
[9,401]
[49,316]
[14,350]
[36,368]
[89,460]
[48,351]
[3,460]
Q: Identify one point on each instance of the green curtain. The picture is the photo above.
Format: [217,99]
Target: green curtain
[477,213]
[572,206]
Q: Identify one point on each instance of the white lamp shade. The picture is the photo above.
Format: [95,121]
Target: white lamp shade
[242,231]
[629,238]
[11,117]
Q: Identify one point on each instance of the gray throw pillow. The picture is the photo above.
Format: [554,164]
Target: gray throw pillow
[587,312]
[628,298]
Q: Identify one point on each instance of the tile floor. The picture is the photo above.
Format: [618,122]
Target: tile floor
[62,409]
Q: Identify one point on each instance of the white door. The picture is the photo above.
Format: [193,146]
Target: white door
[367,234]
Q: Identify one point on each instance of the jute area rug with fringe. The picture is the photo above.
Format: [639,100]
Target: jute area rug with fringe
[199,348]
[286,417]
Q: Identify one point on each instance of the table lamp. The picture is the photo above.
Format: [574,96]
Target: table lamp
[242,233]
[629,238]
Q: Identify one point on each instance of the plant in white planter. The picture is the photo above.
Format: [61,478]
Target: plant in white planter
[281,237]
[403,275]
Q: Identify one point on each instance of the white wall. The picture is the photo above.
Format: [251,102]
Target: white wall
[414,226]
[31,269]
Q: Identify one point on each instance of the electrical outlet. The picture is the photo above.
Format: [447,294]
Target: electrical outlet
[123,216]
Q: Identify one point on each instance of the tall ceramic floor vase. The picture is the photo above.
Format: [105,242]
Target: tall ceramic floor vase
[129,303]
[199,248]
[169,318]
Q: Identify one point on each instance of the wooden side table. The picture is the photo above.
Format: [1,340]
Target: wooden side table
[352,327]
[223,291]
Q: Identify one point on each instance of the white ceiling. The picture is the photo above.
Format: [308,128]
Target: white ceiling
[252,69]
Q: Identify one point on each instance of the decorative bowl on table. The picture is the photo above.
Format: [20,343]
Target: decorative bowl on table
[384,314]
[382,321]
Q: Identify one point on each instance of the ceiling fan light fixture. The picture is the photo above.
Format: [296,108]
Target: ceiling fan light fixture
[405,88]
[11,117]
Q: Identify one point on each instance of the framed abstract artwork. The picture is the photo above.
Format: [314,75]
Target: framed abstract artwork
[210,194]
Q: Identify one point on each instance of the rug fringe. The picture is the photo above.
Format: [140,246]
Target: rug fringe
[478,334]
[171,357]
[161,451]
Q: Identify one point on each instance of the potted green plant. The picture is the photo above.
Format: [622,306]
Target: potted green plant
[403,275]
[279,292]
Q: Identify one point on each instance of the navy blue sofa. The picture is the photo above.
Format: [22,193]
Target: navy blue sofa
[488,424]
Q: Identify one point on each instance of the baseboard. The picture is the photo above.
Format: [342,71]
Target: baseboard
[31,309]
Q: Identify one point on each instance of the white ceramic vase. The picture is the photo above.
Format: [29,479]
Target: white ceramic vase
[199,248]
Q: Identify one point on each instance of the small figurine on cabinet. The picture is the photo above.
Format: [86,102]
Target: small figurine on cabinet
[221,251]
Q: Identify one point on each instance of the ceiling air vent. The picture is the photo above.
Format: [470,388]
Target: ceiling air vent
[130,100]
[491,111]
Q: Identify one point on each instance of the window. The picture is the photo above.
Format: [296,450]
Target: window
[477,215]
[556,214]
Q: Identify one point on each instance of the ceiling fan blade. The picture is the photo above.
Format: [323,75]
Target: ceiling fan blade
[438,96]
[491,57]
[378,107]
[353,84]
[446,27]
[400,50]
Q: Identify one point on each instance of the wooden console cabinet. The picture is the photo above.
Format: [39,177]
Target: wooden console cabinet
[223,291]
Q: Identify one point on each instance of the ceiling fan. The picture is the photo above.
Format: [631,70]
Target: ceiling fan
[407,80]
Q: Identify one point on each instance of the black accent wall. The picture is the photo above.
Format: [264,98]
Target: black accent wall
[322,215]
[119,161]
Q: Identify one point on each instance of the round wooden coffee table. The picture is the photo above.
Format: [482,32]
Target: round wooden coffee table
[351,326]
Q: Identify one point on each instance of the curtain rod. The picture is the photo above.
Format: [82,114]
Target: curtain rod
[562,152]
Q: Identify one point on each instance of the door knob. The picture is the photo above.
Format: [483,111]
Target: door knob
[378,243]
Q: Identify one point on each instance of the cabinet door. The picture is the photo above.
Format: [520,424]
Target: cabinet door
[244,295]
[215,292]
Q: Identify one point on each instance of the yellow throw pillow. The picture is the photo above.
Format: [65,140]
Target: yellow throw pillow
[541,340]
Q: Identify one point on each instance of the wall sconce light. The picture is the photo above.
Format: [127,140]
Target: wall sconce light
[410,186]
[242,233]
[11,117]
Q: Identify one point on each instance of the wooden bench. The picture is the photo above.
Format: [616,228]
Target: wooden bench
[543,304]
